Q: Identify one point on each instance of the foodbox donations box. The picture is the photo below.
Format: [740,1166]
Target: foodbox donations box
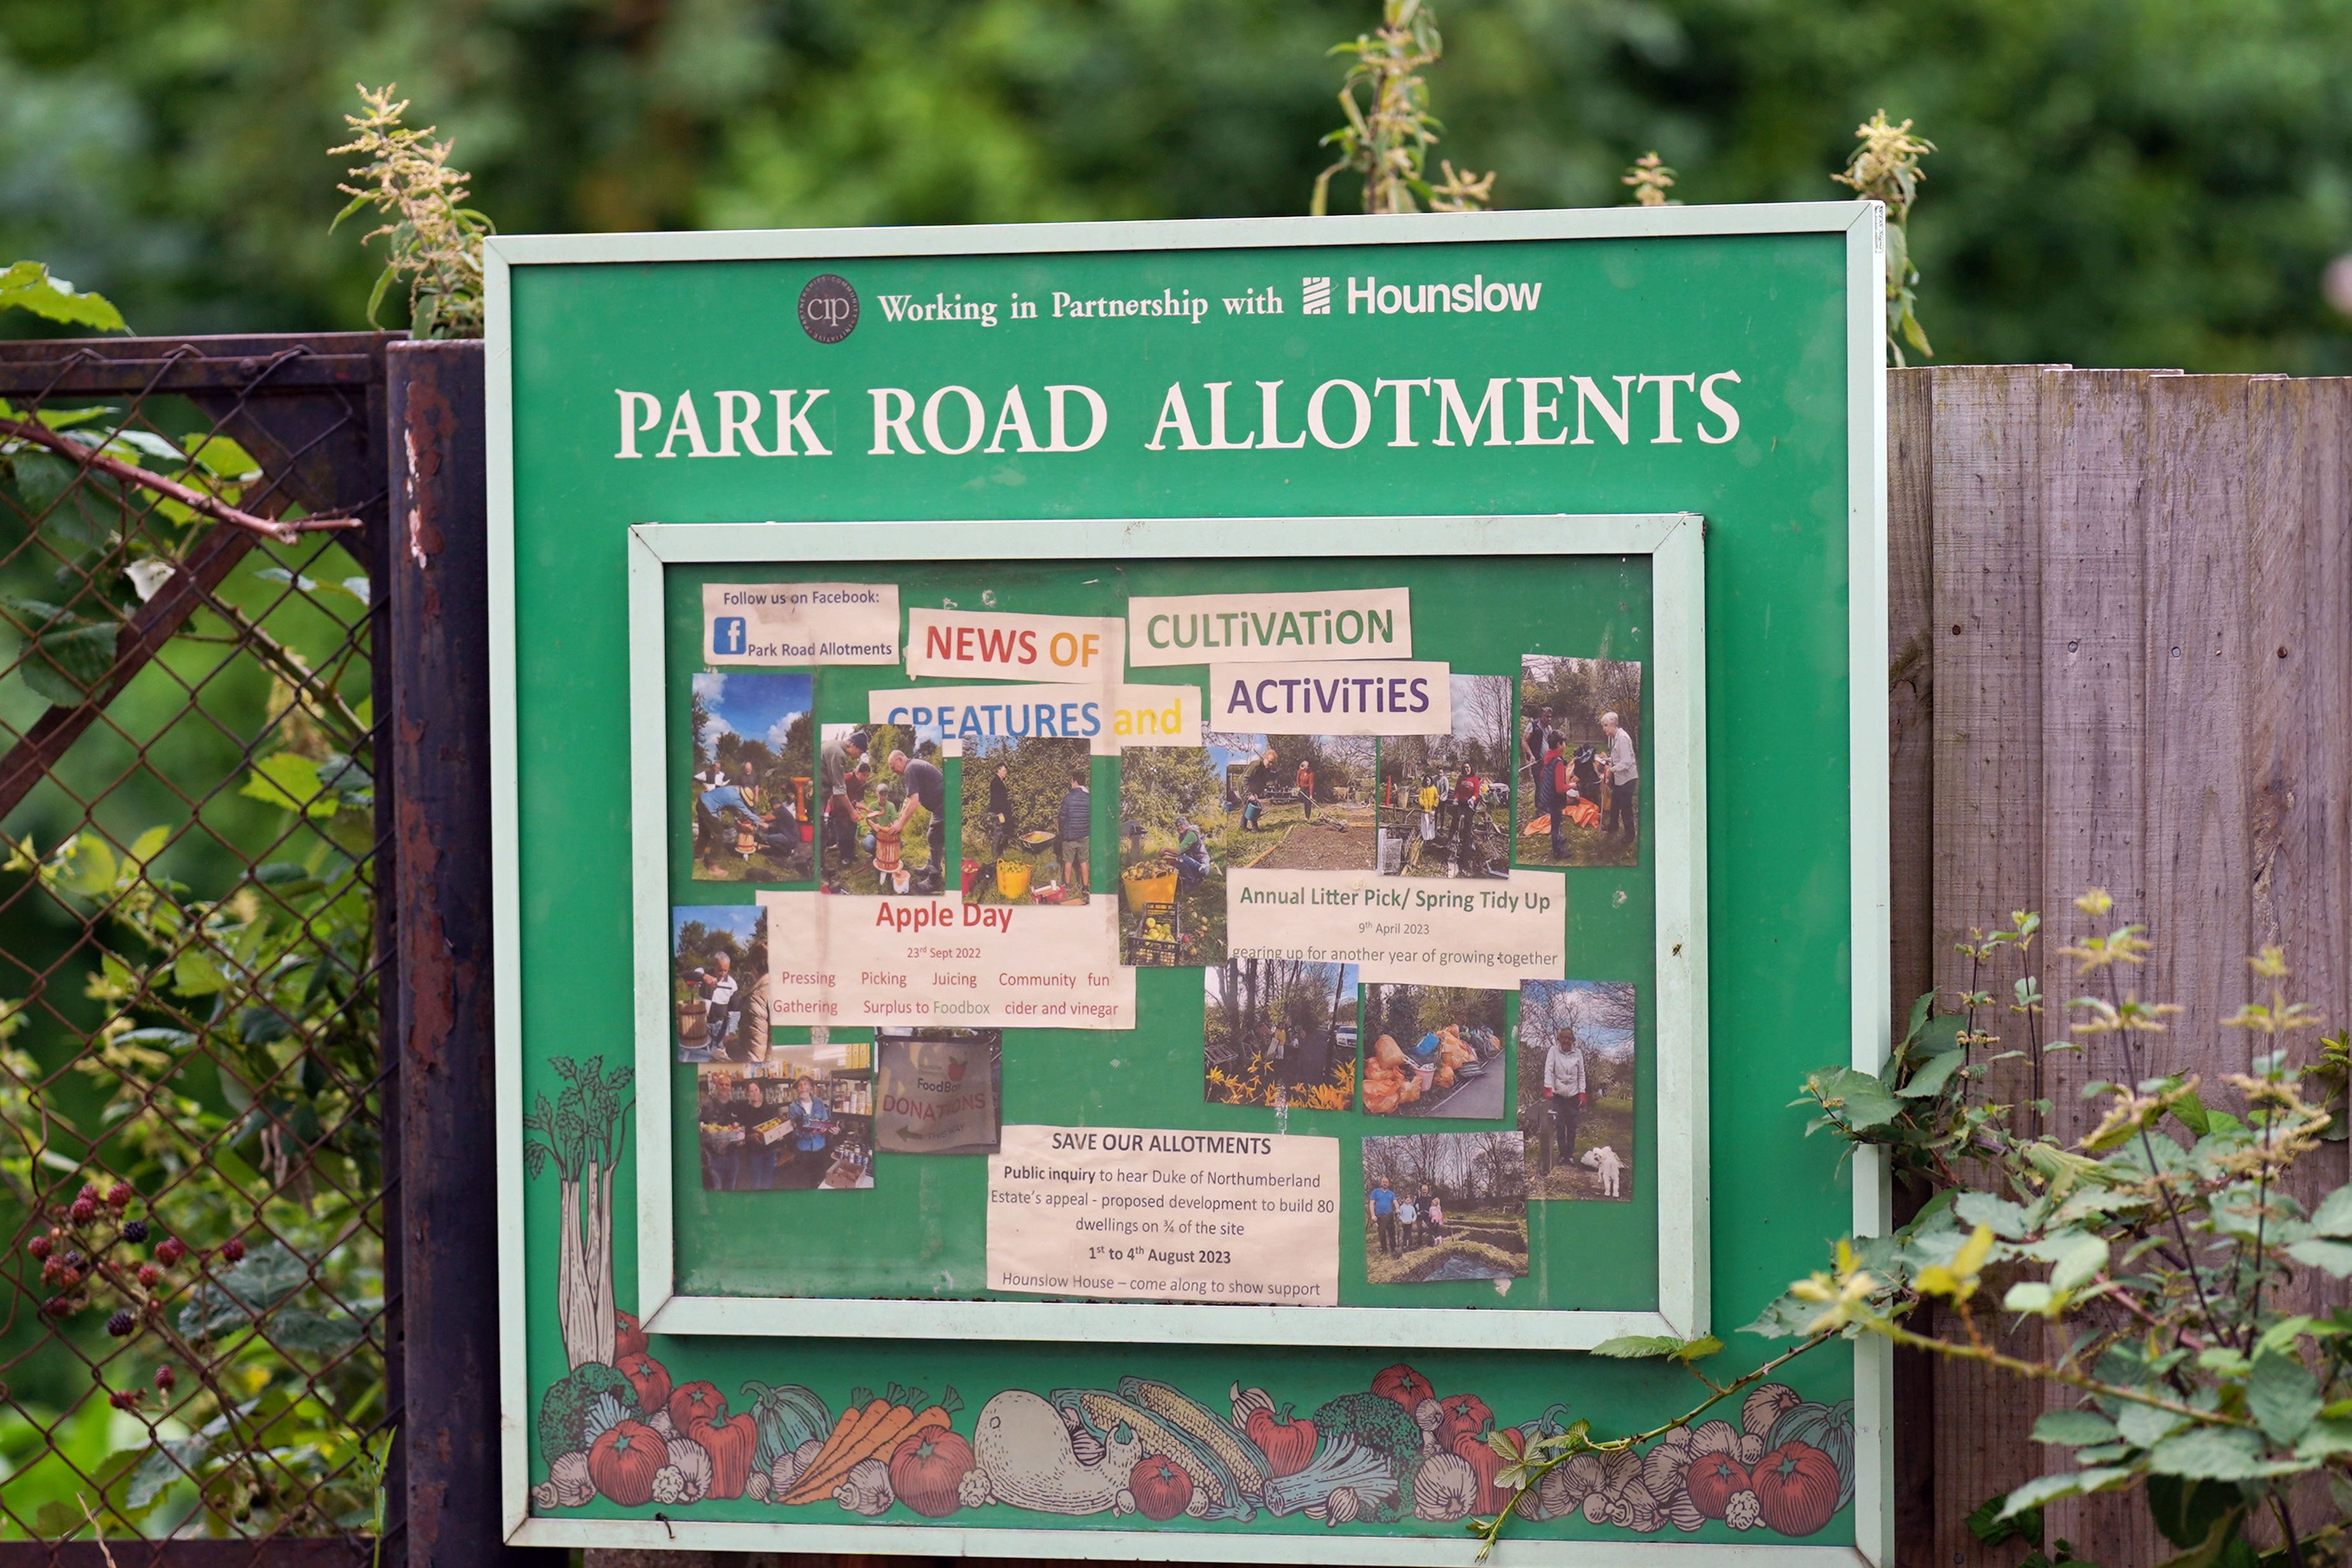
[1148,874]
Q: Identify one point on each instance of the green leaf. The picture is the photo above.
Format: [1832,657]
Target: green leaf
[267,1276]
[1992,1527]
[223,458]
[1698,1349]
[2282,1397]
[194,974]
[292,578]
[316,1333]
[27,286]
[2325,1436]
[2073,1428]
[291,781]
[1921,1010]
[2215,1453]
[1931,1077]
[2006,1218]
[2335,1257]
[2080,1257]
[89,868]
[1940,1036]
[58,1520]
[1861,1100]
[67,659]
[2185,1511]
[1637,1347]
[166,1463]
[2145,1425]
[2070,1483]
[2334,1214]
[2214,1551]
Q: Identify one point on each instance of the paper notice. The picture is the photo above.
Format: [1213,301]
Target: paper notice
[1399,699]
[1106,719]
[984,645]
[1262,628]
[1136,1215]
[842,959]
[800,622]
[1486,935]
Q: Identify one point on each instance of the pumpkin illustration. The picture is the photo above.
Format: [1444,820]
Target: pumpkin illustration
[623,1462]
[730,1445]
[1287,1442]
[926,1469]
[691,1402]
[1465,1416]
[629,1339]
[650,1379]
[1712,1481]
[1828,1428]
[1796,1487]
[1160,1487]
[1403,1384]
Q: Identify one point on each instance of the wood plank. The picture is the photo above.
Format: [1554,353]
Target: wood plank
[2299,746]
[1910,695]
[2093,652]
[2199,789]
[1987,787]
[1910,676]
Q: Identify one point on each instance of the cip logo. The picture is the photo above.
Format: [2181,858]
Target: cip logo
[828,309]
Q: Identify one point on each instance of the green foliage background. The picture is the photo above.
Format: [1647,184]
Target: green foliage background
[2121,182]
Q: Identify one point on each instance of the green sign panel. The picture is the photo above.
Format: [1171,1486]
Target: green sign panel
[1149,875]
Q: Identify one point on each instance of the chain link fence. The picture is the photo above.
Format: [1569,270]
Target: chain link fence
[194,1322]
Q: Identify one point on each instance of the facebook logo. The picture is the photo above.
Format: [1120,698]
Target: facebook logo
[727,635]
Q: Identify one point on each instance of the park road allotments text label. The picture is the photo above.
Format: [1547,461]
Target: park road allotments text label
[1134,1214]
[1404,930]
[800,622]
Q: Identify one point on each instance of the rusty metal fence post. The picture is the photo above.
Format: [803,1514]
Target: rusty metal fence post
[439,633]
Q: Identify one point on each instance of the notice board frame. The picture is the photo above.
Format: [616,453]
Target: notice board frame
[1860,226]
[1677,727]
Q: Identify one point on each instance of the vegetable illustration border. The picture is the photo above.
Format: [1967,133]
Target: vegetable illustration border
[1399,1451]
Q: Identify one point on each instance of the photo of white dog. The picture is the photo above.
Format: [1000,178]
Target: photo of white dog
[1605,1161]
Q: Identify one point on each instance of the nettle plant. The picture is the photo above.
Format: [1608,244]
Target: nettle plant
[2161,1252]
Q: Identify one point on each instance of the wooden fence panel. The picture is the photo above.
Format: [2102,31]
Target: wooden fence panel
[2139,675]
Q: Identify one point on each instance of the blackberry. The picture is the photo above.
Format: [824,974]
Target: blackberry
[134,1230]
[41,1246]
[120,1324]
[233,1249]
[83,1211]
[120,1195]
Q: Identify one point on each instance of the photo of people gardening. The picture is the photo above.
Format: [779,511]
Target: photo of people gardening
[1175,843]
[1028,811]
[750,784]
[1445,799]
[1576,1087]
[1435,1050]
[719,981]
[1444,1206]
[1279,1032]
[1580,773]
[884,805]
[1297,802]
[789,1125]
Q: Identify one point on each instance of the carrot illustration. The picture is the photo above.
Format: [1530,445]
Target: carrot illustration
[841,1452]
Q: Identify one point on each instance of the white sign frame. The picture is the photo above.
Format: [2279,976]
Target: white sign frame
[1675,715]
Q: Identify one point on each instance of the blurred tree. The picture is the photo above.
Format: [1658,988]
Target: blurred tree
[2122,181]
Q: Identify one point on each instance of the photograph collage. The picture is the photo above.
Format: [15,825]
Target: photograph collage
[1533,1083]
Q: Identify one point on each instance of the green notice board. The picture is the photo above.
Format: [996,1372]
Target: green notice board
[1148,874]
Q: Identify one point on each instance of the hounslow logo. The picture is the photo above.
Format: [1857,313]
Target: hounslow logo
[828,308]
